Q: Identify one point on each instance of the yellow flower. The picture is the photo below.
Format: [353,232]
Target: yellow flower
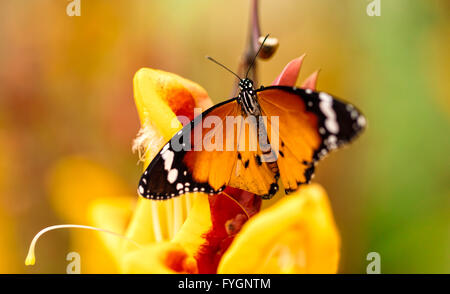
[190,234]
[296,235]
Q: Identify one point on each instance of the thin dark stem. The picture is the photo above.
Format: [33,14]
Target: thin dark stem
[253,44]
[256,48]
[252,47]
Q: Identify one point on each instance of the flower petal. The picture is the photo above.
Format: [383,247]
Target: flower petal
[159,258]
[192,233]
[113,214]
[160,96]
[296,235]
[101,253]
[311,81]
[289,75]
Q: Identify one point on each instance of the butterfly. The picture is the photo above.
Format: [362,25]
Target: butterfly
[261,141]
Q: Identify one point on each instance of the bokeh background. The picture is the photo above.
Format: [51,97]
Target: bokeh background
[67,116]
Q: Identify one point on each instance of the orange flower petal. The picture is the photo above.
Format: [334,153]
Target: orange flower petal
[289,75]
[311,81]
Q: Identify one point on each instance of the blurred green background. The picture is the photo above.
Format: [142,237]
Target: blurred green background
[66,89]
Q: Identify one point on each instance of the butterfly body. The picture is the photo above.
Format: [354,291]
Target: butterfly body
[293,129]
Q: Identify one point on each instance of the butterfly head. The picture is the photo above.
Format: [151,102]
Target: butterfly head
[246,85]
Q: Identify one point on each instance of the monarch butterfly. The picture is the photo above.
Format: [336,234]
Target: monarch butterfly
[307,125]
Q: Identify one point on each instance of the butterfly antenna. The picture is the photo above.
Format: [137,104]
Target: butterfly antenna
[218,63]
[260,47]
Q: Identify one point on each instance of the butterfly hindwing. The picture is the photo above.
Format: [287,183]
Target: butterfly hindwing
[252,172]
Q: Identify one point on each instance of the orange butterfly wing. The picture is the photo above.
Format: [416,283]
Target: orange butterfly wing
[309,125]
[251,173]
[300,127]
[192,160]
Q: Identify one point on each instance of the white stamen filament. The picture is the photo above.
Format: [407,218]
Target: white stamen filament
[168,205]
[156,224]
[188,203]
[177,214]
[30,259]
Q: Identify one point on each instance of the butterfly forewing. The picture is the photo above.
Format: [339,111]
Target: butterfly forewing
[213,156]
[192,161]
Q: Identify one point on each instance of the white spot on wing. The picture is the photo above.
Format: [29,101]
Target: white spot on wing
[172,176]
[361,121]
[165,148]
[168,159]
[326,106]
[331,142]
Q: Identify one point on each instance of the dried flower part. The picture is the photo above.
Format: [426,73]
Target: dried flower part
[269,48]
